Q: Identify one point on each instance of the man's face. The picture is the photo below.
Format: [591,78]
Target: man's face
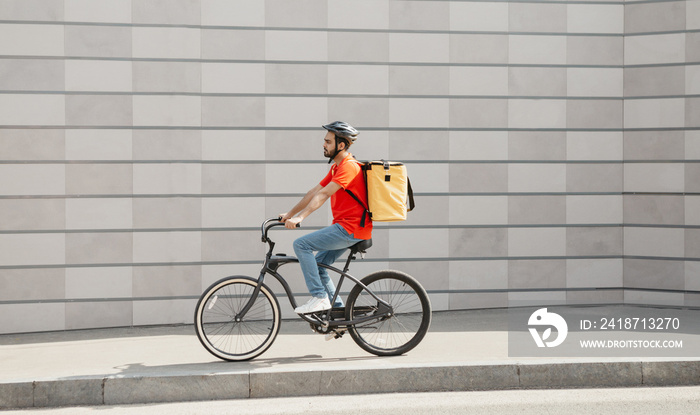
[328,144]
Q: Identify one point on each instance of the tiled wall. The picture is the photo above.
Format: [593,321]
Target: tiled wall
[662,153]
[553,147]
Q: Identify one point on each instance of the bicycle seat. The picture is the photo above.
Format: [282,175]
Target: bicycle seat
[361,246]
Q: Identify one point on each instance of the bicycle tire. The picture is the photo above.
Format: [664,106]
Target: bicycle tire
[216,325]
[399,333]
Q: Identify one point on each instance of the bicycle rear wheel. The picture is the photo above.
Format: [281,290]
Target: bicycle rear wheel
[395,334]
[223,333]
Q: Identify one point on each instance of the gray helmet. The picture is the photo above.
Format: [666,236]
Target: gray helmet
[343,129]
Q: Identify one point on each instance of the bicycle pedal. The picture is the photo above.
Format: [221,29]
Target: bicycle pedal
[321,318]
[335,334]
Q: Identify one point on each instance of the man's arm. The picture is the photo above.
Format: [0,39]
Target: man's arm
[302,203]
[313,200]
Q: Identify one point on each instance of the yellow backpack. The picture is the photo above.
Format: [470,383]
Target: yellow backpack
[389,192]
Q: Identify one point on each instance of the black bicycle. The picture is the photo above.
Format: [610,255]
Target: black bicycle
[387,313]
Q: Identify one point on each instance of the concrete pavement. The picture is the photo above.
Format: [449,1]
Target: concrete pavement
[678,400]
[465,350]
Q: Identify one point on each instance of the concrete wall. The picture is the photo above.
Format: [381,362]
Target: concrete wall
[553,147]
[662,153]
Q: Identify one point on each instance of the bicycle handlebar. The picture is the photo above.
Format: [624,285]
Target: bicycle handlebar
[269,224]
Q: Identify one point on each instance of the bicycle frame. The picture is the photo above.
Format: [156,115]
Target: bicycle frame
[272,264]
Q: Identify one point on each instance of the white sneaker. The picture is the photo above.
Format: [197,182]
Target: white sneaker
[314,305]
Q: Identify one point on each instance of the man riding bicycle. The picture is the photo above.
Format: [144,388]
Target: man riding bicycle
[350,225]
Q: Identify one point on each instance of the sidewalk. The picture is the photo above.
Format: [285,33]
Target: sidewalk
[465,350]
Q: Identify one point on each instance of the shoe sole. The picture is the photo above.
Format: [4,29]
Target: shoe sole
[311,312]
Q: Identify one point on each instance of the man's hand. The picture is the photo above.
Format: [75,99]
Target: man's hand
[292,223]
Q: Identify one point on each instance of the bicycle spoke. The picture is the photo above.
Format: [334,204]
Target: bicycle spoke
[404,328]
[224,332]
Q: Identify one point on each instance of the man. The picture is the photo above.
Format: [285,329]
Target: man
[349,227]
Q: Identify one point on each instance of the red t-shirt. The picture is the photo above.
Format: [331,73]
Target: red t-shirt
[346,211]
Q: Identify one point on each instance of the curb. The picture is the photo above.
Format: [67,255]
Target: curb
[268,384]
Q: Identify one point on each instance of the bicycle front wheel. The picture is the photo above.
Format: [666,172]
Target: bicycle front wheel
[223,332]
[404,329]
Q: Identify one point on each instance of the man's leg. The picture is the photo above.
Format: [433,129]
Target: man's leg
[328,258]
[331,238]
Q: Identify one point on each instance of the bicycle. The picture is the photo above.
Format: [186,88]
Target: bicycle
[387,313]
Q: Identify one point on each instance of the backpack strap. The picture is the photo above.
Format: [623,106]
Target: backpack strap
[366,213]
[387,175]
[411,202]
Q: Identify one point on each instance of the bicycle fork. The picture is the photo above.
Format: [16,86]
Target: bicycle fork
[256,291]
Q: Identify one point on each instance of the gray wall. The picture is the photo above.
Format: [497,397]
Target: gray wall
[554,147]
[662,153]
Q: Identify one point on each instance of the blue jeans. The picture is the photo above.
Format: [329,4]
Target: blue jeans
[330,243]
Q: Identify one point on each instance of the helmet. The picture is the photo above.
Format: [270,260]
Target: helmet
[343,130]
